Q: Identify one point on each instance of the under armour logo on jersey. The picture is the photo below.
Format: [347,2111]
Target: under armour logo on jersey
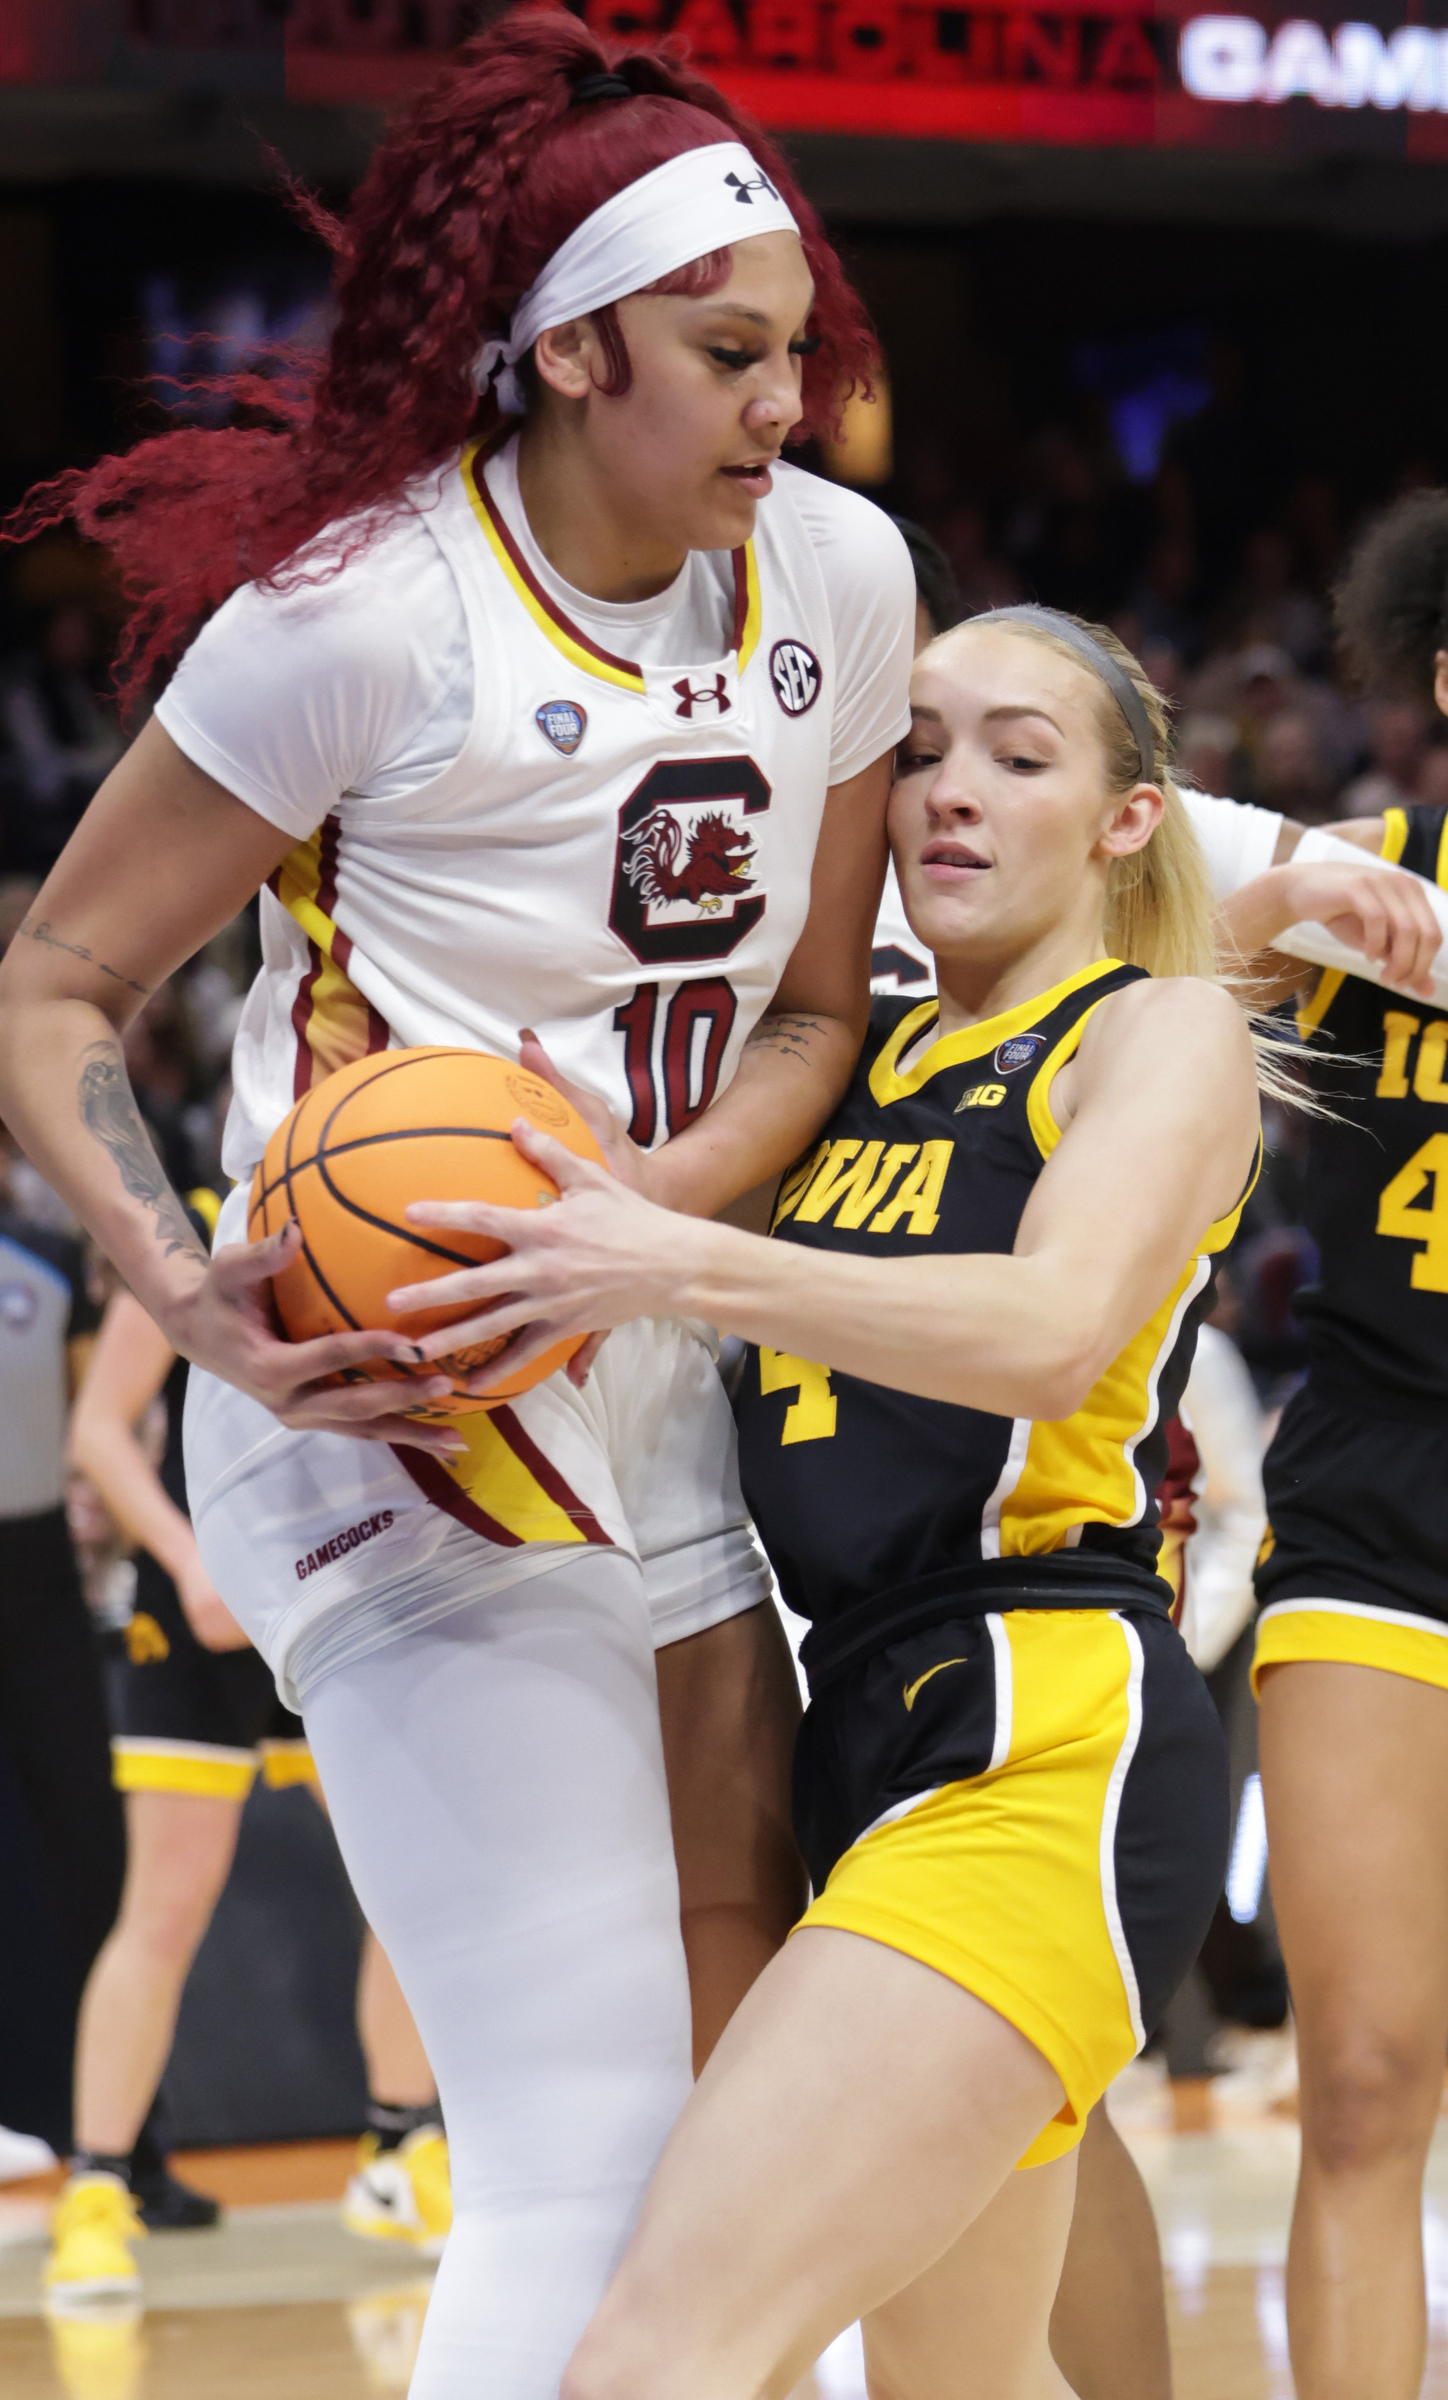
[795,673]
[704,697]
[744,191]
[563,723]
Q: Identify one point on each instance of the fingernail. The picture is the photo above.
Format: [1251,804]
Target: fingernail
[526,1034]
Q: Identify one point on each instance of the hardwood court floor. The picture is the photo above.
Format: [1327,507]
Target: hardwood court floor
[281,2304]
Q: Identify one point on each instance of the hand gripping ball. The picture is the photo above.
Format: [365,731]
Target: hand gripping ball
[405,1125]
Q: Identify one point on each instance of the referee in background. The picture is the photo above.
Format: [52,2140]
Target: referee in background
[52,1709]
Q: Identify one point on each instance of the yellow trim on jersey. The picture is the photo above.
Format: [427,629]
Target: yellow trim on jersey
[1044,1129]
[1441,871]
[203,1770]
[579,654]
[284,1763]
[1349,1633]
[1310,1013]
[1081,1470]
[1395,835]
[339,1025]
[1040,1937]
[299,879]
[753,609]
[496,1480]
[957,1049]
[573,651]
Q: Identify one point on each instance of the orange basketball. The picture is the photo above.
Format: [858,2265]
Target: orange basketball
[401,1126]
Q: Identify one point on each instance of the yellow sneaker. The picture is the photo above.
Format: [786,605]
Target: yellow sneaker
[99,2357]
[402,2195]
[95,2222]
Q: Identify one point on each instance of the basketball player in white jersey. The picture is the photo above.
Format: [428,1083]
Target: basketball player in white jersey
[584,728]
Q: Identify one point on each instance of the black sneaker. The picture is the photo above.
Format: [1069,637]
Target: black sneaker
[167,2206]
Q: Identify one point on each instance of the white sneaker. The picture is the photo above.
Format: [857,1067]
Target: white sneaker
[23,2154]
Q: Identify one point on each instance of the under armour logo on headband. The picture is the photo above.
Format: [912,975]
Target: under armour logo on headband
[744,192]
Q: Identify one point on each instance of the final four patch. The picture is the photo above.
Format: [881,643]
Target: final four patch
[1018,1052]
[564,724]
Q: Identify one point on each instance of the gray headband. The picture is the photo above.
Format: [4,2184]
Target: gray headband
[1101,662]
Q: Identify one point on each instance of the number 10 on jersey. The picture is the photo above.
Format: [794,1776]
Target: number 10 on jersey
[673,1081]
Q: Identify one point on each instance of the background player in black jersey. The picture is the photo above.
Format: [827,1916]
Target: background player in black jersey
[1352,1648]
[194,1714]
[974,1320]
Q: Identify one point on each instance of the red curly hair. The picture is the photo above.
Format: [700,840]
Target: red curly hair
[465,200]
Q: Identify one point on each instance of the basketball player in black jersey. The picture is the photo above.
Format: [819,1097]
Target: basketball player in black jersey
[974,1319]
[1352,1649]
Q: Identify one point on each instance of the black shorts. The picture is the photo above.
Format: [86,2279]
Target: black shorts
[188,1719]
[1354,1567]
[1035,1804]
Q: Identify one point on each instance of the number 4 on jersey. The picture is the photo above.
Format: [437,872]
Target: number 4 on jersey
[1399,1217]
[810,1418]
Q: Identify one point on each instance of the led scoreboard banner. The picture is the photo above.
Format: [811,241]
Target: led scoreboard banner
[1155,74]
[1127,73]
[1090,74]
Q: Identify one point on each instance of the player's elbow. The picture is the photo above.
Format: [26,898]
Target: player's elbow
[1069,1362]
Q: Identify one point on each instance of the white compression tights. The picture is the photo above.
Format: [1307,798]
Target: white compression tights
[496,1782]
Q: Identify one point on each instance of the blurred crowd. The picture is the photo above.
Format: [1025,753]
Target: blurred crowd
[1221,586]
[1231,615]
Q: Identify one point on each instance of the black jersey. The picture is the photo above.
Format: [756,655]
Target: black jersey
[861,1493]
[1376,1200]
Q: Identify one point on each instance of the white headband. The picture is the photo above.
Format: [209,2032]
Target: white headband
[700,201]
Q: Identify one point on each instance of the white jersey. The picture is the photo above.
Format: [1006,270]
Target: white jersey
[1237,841]
[618,855]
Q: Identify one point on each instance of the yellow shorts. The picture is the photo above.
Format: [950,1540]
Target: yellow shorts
[1350,1633]
[1060,1840]
[187,1719]
[206,1770]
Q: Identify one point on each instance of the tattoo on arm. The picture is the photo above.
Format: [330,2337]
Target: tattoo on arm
[788,1035]
[108,1109]
[41,930]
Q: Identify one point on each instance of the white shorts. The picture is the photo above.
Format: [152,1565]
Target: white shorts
[325,1548]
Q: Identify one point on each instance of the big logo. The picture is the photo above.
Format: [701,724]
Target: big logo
[682,886]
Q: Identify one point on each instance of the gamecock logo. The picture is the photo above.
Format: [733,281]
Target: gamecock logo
[682,886]
[715,866]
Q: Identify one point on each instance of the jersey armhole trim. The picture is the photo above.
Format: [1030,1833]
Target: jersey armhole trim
[1395,835]
[1042,1122]
[1311,1013]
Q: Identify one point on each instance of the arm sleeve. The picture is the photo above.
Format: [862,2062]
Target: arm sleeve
[871,587]
[1237,839]
[292,698]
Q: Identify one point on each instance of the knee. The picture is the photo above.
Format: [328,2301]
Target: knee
[1372,2096]
[166,1927]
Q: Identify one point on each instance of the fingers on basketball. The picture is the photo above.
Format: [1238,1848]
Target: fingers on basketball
[405,1125]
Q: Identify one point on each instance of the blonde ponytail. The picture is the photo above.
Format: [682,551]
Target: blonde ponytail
[1161,911]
